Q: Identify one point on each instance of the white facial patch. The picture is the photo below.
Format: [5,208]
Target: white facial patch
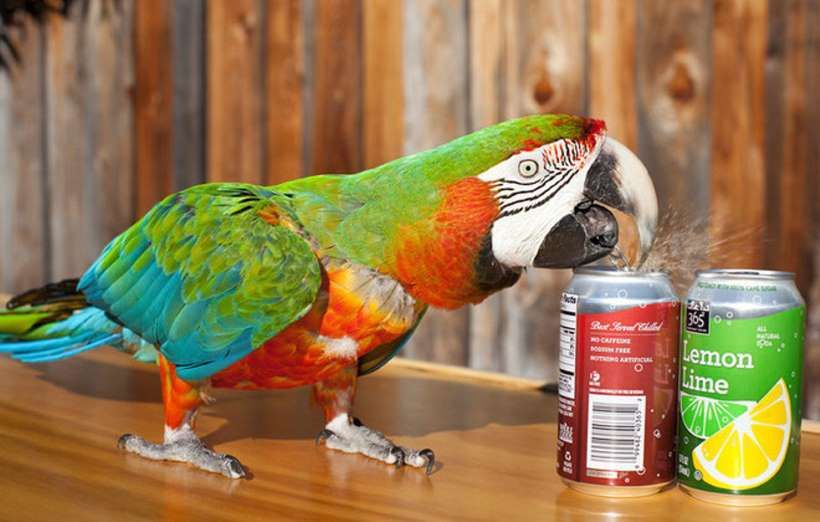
[532,202]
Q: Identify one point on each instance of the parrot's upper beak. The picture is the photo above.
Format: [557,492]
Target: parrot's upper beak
[618,178]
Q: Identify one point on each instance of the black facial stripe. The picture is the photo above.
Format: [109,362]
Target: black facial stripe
[511,211]
[514,182]
[502,185]
[504,205]
[526,203]
[513,191]
[561,169]
[537,204]
[557,180]
[561,162]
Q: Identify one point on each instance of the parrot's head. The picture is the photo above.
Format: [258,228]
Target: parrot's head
[552,188]
[461,221]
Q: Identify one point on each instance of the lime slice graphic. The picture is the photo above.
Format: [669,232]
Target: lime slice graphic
[704,417]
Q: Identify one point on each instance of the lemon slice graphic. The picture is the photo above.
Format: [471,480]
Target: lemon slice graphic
[704,417]
[751,449]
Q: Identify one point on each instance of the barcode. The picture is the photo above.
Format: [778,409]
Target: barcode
[566,352]
[615,437]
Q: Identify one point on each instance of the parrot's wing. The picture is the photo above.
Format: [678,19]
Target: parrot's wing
[208,275]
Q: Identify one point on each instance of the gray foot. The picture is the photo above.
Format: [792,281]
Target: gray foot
[347,434]
[190,450]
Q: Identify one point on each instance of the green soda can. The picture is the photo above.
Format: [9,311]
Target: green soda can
[741,366]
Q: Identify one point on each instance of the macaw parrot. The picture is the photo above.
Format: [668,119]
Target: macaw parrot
[320,280]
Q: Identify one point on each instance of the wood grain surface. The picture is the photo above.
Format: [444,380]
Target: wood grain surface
[612,28]
[488,28]
[153,107]
[188,55]
[789,198]
[545,72]
[235,90]
[673,45]
[813,131]
[738,129]
[518,68]
[70,228]
[436,111]
[23,199]
[495,444]
[383,112]
[717,96]
[336,126]
[89,130]
[284,91]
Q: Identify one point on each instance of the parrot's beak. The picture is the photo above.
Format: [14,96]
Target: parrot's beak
[618,178]
[589,233]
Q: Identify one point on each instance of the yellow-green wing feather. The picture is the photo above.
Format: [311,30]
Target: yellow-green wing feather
[205,277]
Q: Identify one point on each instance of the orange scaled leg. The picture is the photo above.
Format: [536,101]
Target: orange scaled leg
[335,395]
[181,398]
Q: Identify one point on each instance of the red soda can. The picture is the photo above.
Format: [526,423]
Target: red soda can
[617,386]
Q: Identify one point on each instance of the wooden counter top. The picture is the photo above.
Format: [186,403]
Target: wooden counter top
[495,439]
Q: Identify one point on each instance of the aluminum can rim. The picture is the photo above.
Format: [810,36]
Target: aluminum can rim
[745,273]
[611,271]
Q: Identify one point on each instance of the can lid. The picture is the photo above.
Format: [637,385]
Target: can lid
[610,271]
[745,273]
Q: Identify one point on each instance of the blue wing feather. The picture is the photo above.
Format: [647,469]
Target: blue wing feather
[204,280]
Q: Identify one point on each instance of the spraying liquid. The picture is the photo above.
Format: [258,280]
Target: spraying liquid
[684,244]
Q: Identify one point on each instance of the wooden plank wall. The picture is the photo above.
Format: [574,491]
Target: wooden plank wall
[738,150]
[89,132]
[799,189]
[436,111]
[518,68]
[127,101]
[23,198]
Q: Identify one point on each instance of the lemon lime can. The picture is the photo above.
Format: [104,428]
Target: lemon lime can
[740,396]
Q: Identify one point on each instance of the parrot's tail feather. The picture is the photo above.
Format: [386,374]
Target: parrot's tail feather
[64,294]
[54,322]
[83,330]
[65,351]
[22,347]
[28,311]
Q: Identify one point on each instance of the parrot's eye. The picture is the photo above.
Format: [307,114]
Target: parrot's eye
[528,168]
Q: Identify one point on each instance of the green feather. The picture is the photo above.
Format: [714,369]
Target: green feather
[359,217]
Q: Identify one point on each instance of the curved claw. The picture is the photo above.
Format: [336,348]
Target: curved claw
[324,435]
[430,457]
[399,454]
[122,441]
[234,467]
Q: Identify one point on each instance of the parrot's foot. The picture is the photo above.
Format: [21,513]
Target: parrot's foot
[185,449]
[348,434]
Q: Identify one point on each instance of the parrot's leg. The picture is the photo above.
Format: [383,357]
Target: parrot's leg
[346,433]
[182,400]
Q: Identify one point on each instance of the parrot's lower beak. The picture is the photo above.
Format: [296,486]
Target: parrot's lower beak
[618,179]
[587,234]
